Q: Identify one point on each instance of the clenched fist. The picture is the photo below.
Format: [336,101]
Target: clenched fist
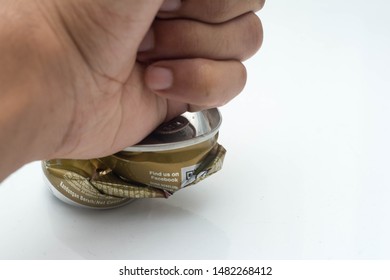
[86,78]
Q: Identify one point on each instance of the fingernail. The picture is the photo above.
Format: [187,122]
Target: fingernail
[159,78]
[170,5]
[148,42]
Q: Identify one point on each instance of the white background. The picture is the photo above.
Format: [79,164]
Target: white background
[306,175]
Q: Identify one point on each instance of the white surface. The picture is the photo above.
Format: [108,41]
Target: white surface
[306,174]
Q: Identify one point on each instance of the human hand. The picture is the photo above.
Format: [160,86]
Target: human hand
[103,79]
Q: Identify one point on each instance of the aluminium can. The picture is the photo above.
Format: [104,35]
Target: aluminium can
[177,154]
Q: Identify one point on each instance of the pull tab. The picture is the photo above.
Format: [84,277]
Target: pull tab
[177,129]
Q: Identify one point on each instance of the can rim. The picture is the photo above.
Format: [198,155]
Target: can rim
[212,117]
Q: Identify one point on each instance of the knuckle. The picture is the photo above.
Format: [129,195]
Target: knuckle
[236,85]
[223,10]
[206,81]
[253,37]
[221,102]
[214,84]
[242,77]
[259,4]
[218,11]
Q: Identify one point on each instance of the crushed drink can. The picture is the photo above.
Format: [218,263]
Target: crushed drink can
[177,154]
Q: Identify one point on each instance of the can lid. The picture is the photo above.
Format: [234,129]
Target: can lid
[179,124]
[186,130]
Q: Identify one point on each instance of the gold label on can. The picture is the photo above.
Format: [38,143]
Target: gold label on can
[92,183]
[70,180]
[168,170]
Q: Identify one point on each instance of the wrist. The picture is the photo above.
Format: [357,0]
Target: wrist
[17,122]
[27,98]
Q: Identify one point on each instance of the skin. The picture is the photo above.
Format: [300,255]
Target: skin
[86,78]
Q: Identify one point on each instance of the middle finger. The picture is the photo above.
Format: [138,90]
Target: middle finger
[210,11]
[236,39]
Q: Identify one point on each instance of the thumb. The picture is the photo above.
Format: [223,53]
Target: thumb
[198,83]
